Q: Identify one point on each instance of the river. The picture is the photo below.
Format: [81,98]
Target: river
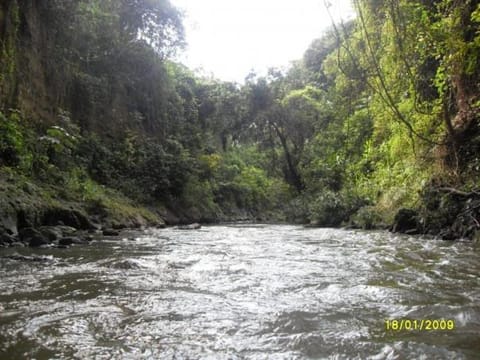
[242,292]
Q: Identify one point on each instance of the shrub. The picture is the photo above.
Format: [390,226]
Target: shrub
[366,218]
[330,208]
[12,146]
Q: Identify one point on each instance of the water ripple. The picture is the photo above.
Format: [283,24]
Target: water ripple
[240,292]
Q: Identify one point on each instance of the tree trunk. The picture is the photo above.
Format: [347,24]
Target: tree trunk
[292,176]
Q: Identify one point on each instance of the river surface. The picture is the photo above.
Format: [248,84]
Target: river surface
[241,292]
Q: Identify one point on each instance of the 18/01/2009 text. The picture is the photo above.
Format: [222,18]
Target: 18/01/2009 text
[422,325]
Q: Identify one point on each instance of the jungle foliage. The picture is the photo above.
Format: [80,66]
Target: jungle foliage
[377,111]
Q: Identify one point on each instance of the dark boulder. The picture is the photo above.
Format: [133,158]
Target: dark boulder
[27,233]
[8,224]
[53,233]
[38,241]
[27,218]
[110,232]
[170,217]
[33,237]
[7,239]
[69,217]
[118,226]
[406,221]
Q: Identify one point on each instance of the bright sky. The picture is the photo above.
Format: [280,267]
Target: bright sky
[228,38]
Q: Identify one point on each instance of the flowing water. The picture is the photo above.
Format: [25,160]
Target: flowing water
[241,292]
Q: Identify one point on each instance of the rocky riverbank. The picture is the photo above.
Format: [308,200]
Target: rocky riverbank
[39,215]
[37,226]
[444,212]
[34,214]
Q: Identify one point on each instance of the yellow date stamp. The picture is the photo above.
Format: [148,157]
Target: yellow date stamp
[419,324]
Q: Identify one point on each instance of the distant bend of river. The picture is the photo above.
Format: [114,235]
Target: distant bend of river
[242,292]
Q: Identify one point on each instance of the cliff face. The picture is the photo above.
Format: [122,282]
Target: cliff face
[53,64]
[8,47]
[59,66]
[38,83]
[29,82]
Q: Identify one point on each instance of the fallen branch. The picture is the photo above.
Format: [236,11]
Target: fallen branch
[459,192]
[469,210]
[475,220]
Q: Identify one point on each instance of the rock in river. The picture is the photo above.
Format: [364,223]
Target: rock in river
[194,226]
[70,241]
[33,237]
[7,239]
[110,232]
[405,221]
[53,233]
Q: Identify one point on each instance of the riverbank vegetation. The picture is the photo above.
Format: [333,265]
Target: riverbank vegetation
[377,125]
